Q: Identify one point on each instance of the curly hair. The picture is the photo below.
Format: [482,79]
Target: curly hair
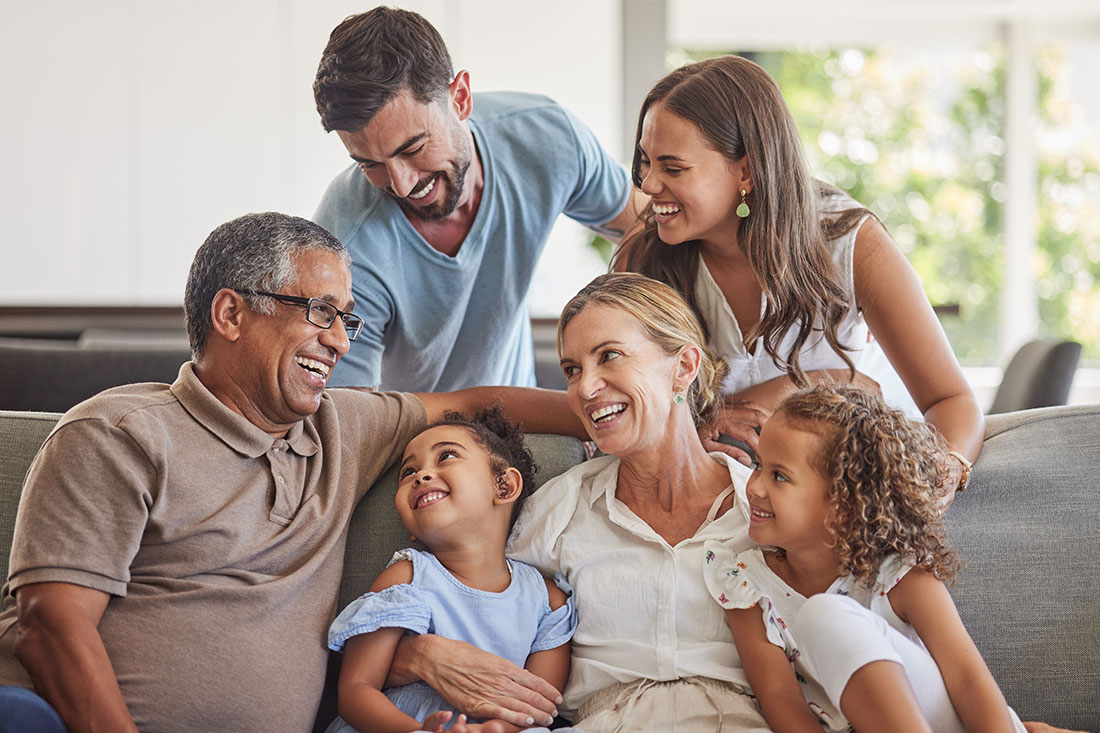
[883,470]
[503,440]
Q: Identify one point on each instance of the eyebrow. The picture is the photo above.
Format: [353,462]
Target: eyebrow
[597,347]
[437,446]
[400,149]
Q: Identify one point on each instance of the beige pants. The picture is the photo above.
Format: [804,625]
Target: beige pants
[689,705]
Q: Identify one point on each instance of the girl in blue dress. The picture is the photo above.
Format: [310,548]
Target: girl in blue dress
[460,482]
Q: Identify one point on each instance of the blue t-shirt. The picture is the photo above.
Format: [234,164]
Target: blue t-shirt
[512,624]
[437,323]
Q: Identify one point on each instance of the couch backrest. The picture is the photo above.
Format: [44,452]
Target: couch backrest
[1028,527]
[21,434]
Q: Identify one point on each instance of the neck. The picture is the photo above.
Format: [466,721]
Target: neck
[678,470]
[479,564]
[808,571]
[230,394]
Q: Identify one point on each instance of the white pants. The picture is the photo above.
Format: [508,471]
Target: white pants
[838,636]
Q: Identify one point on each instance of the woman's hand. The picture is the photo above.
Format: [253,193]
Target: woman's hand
[738,420]
[482,684]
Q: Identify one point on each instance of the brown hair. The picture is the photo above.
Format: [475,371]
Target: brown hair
[884,471]
[669,322]
[371,57]
[740,111]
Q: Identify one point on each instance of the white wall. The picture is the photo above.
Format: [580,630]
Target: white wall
[131,128]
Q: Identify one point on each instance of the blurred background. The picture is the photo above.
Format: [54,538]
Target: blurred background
[131,128]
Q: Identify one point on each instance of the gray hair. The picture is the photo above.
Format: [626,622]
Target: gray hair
[251,252]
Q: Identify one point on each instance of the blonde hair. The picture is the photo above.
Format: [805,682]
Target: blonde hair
[884,470]
[670,323]
[740,112]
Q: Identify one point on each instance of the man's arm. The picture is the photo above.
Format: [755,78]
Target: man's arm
[59,644]
[627,221]
[538,410]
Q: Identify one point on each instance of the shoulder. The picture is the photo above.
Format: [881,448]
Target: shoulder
[524,120]
[491,107]
[349,202]
[554,594]
[400,572]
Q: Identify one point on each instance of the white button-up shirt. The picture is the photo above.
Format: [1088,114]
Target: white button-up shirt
[644,611]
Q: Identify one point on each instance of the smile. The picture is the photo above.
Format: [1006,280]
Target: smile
[429,497]
[313,365]
[606,413]
[760,514]
[424,191]
[666,209]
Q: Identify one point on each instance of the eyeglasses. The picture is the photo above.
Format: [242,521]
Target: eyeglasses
[318,312]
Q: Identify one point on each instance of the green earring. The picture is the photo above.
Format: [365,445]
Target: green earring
[743,208]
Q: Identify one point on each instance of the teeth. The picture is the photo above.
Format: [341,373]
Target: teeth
[430,497]
[666,209]
[313,365]
[425,192]
[605,412]
[762,514]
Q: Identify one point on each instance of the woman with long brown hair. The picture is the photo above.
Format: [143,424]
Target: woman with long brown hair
[794,281]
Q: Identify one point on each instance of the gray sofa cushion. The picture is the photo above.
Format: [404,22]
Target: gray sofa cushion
[1027,529]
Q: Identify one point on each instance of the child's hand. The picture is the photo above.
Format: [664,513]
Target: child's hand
[438,719]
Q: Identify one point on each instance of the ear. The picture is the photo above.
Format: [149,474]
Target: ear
[742,173]
[228,311]
[510,487]
[462,100]
[688,362]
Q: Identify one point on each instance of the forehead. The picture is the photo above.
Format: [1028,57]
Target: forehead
[667,131]
[400,119]
[321,274]
[439,434]
[599,322]
[784,439]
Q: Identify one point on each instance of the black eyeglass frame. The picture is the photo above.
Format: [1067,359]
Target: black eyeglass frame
[353,324]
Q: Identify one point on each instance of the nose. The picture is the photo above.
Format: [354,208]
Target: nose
[589,384]
[651,186]
[752,488]
[403,179]
[336,338]
[422,476]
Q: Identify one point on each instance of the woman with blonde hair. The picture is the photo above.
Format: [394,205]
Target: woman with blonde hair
[651,651]
[794,282]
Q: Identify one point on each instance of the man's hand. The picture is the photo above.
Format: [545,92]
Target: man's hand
[482,684]
[739,420]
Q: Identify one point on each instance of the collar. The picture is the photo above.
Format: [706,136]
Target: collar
[235,431]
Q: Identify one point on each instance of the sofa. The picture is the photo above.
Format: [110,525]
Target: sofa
[1028,527]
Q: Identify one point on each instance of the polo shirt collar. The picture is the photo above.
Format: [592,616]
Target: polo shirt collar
[234,430]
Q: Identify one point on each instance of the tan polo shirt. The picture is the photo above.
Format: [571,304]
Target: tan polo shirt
[222,547]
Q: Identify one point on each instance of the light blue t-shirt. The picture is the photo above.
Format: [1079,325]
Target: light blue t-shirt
[512,624]
[435,323]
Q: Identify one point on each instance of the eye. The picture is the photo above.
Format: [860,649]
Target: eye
[570,370]
[779,476]
[405,472]
[411,153]
[445,454]
[673,170]
[367,166]
[610,354]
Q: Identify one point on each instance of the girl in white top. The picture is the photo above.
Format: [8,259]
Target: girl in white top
[794,282]
[843,617]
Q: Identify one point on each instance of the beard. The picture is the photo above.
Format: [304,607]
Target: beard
[454,180]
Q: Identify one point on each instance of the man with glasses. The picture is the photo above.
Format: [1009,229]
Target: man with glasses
[178,548]
[448,204]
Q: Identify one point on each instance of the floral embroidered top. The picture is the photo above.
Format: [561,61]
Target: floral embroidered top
[744,580]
